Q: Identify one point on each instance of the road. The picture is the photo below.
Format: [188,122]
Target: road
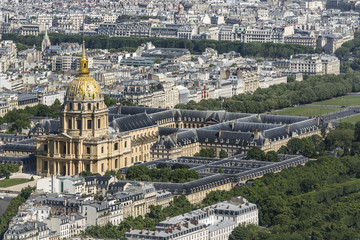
[4,203]
[348,112]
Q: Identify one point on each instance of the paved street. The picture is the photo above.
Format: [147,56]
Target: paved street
[4,203]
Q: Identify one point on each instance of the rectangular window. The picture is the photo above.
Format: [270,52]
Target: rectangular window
[102,167]
[88,167]
[78,123]
[45,165]
[88,150]
[99,123]
[88,124]
[116,146]
[116,163]
[69,124]
[45,147]
[102,149]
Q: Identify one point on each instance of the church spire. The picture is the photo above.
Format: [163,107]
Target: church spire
[84,68]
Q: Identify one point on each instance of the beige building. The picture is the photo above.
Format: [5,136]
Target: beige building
[84,142]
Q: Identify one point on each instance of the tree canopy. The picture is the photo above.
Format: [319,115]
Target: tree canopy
[253,49]
[312,89]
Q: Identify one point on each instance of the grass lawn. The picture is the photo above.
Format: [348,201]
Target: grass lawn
[12,182]
[306,111]
[347,100]
[352,120]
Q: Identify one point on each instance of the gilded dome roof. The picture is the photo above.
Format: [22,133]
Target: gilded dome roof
[83,86]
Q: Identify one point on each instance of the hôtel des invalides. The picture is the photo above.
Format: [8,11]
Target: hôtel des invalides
[85,141]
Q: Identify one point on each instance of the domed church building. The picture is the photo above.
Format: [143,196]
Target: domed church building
[84,142]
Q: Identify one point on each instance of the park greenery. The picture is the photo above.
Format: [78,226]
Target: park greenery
[161,174]
[12,182]
[253,49]
[312,89]
[315,201]
[12,209]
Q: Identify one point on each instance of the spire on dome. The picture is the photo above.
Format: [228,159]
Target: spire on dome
[84,68]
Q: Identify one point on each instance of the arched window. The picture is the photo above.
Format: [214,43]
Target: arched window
[89,106]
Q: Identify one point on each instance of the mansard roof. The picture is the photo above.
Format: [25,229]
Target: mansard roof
[132,122]
[280,119]
[130,110]
[231,138]
[47,126]
[19,147]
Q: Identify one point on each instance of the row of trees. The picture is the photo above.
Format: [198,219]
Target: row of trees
[164,174]
[254,49]
[349,54]
[157,214]
[314,88]
[12,209]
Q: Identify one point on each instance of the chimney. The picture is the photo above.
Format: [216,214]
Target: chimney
[256,134]
[119,108]
[219,133]
[174,137]
[287,128]
[318,120]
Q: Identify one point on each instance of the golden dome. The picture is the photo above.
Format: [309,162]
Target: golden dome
[83,86]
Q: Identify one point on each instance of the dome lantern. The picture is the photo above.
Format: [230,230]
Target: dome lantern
[83,86]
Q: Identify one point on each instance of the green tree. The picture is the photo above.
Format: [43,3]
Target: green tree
[109,101]
[206,152]
[223,154]
[290,79]
[245,232]
[272,156]
[256,153]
